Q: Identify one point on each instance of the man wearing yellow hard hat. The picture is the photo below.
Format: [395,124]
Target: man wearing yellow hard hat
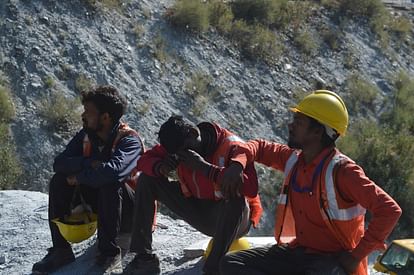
[319,225]
[96,170]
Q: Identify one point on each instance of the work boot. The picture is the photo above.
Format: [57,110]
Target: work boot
[56,257]
[147,264]
[110,264]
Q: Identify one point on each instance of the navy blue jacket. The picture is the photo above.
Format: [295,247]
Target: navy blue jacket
[115,168]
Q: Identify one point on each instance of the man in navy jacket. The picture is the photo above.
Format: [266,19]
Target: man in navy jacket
[99,161]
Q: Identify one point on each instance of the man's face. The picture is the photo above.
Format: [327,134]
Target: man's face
[91,118]
[191,142]
[300,133]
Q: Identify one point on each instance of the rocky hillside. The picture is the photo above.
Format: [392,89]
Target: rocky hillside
[54,48]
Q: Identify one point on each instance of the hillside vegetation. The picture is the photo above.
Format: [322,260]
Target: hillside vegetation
[10,169]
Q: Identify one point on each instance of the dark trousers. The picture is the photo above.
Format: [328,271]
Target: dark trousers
[110,202]
[223,220]
[279,260]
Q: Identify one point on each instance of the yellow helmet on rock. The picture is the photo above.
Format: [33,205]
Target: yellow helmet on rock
[327,108]
[77,227]
[236,245]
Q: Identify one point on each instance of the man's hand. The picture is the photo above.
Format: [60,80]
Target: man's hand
[72,181]
[193,160]
[348,262]
[168,164]
[232,181]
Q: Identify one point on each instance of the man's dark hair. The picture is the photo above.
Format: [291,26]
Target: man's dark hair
[107,99]
[173,132]
[326,140]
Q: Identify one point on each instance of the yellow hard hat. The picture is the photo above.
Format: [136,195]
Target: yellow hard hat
[236,245]
[327,108]
[77,227]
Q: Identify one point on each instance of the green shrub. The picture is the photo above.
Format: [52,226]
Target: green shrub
[61,114]
[401,26]
[360,92]
[49,81]
[10,168]
[190,14]
[220,16]
[374,10]
[200,104]
[3,78]
[385,150]
[82,83]
[332,4]
[378,25]
[277,13]
[388,159]
[401,115]
[306,42]
[160,48]
[253,11]
[367,8]
[331,37]
[7,111]
[292,13]
[255,41]
[143,108]
[138,30]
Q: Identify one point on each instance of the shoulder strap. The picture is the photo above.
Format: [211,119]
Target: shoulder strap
[335,170]
[87,147]
[124,131]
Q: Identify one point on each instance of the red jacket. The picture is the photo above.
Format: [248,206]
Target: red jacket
[220,147]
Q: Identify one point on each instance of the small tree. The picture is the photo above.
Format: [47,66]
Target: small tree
[190,14]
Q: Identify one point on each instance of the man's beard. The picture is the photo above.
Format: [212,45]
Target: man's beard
[91,131]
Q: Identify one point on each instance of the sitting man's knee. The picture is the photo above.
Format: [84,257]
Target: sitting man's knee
[225,265]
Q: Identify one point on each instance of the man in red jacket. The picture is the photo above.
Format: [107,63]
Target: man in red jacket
[319,224]
[201,155]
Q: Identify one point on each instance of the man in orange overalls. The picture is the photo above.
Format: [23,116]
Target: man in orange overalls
[319,224]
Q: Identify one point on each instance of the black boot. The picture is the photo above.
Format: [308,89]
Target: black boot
[55,258]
